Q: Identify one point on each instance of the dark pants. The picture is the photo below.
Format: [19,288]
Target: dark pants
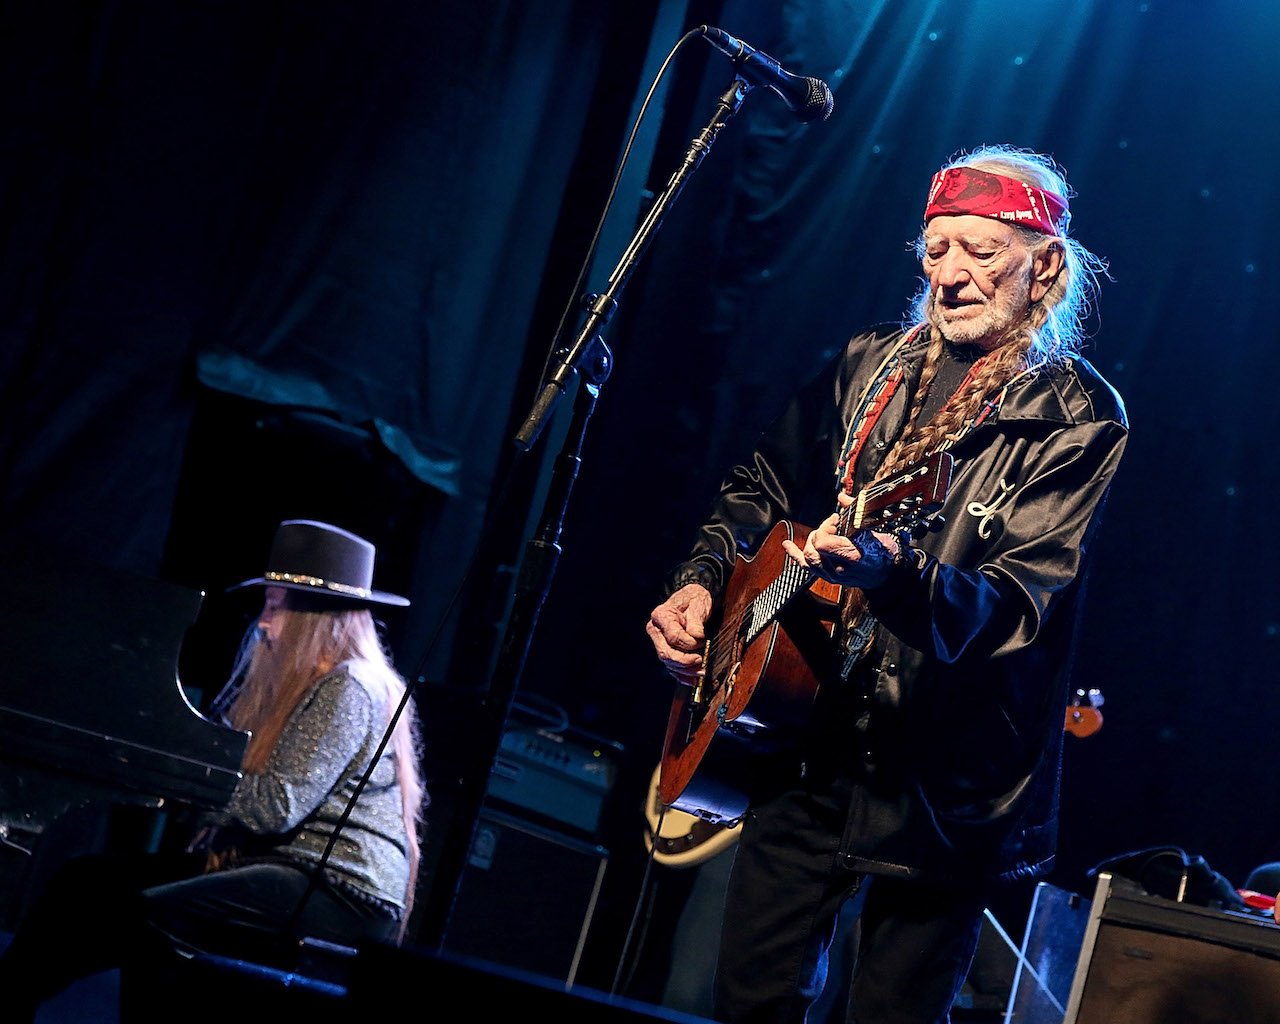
[105,911]
[915,942]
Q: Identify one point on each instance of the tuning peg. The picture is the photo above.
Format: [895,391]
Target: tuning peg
[929,525]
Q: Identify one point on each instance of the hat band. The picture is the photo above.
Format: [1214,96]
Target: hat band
[316,581]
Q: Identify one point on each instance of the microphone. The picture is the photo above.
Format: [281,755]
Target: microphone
[810,99]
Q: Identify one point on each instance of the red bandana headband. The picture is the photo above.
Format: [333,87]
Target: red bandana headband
[967,190]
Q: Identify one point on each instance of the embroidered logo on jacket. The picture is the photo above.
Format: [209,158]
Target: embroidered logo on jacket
[985,513]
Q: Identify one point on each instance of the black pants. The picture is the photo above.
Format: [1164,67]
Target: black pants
[105,911]
[914,944]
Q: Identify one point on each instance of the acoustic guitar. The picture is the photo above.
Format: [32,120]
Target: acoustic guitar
[765,655]
[682,840]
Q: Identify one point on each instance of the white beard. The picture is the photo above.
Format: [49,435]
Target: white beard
[989,327]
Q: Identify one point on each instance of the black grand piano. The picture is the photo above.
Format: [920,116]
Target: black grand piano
[94,720]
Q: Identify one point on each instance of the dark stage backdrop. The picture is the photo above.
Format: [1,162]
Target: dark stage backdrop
[306,259]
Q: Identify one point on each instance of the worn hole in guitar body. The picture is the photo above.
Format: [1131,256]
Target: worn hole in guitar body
[770,714]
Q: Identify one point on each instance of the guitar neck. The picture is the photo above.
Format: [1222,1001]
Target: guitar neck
[886,506]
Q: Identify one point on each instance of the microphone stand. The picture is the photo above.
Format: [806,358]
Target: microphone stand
[590,356]
[602,306]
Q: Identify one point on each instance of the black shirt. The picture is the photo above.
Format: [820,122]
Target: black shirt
[954,365]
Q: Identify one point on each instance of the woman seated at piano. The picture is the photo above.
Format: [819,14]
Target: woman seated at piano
[317,690]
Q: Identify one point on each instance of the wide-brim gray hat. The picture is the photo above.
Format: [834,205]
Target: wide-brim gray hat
[323,560]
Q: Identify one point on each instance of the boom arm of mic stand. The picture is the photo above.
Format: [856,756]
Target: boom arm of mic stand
[601,306]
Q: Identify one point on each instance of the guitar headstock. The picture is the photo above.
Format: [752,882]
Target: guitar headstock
[904,502]
[1083,715]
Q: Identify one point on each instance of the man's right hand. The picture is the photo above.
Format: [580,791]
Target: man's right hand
[676,629]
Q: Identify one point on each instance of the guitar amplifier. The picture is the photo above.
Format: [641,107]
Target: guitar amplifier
[560,775]
[1151,960]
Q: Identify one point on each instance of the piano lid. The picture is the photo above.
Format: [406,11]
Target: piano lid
[90,691]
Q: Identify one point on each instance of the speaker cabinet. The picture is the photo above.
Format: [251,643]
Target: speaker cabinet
[1149,960]
[526,897]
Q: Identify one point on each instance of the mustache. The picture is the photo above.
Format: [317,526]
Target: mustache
[940,294]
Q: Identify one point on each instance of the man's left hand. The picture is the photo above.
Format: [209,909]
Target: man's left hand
[862,560]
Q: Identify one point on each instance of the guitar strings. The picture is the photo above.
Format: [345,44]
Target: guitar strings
[792,578]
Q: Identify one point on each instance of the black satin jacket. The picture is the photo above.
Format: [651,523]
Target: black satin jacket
[957,742]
